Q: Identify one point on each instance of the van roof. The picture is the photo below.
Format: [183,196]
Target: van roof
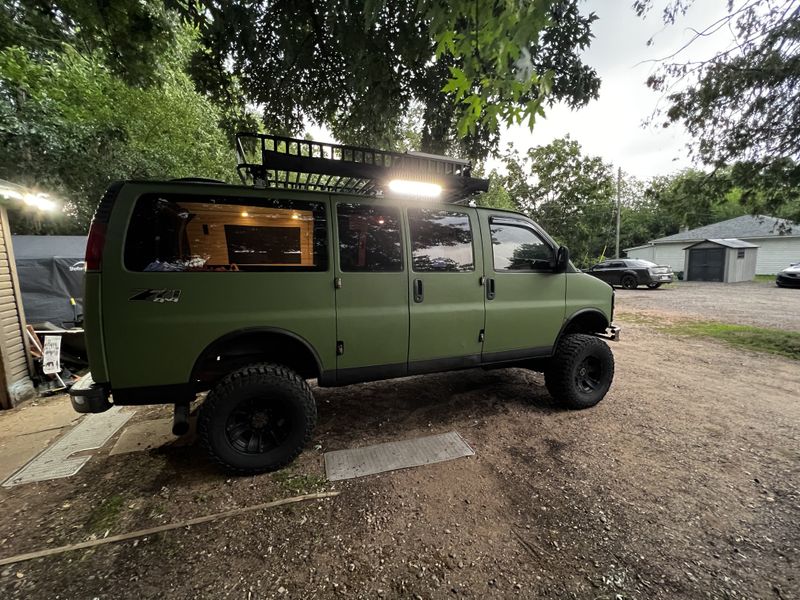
[202,181]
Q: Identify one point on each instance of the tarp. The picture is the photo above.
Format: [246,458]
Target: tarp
[50,270]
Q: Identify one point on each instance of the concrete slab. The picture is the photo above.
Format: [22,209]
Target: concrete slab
[147,435]
[33,417]
[357,462]
[27,430]
[57,461]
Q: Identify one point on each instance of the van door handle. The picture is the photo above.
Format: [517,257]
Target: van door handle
[490,288]
[418,293]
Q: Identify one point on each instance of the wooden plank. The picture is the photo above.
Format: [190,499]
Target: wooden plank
[15,353]
[9,313]
[18,368]
[158,529]
[5,398]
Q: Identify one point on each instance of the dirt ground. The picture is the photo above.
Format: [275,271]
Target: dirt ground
[683,483]
[749,303]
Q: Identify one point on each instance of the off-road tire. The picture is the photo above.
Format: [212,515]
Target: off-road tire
[654,286]
[629,282]
[270,389]
[563,375]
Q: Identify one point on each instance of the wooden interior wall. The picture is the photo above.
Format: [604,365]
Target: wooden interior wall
[214,244]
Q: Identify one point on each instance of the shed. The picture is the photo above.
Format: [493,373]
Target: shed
[778,241]
[727,260]
[15,371]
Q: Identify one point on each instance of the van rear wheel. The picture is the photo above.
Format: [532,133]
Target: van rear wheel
[258,418]
[581,371]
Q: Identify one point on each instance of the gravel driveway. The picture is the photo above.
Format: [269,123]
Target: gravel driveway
[683,483]
[750,303]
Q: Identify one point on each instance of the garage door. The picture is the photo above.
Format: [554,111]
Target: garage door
[706,264]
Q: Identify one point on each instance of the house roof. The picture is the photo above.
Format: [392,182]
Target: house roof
[730,243]
[746,226]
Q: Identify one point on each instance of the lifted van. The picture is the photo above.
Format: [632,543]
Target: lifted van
[339,264]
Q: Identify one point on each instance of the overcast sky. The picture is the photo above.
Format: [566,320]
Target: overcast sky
[613,126]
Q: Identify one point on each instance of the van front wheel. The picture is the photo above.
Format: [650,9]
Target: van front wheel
[258,418]
[580,372]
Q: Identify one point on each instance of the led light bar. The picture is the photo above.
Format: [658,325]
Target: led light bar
[408,187]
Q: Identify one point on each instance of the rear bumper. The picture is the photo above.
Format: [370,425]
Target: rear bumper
[87,396]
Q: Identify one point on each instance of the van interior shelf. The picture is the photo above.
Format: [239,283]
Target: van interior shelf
[288,163]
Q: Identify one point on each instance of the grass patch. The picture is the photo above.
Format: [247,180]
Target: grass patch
[295,483]
[774,341]
[765,278]
[104,516]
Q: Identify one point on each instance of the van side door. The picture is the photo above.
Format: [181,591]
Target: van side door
[371,281]
[446,297]
[525,298]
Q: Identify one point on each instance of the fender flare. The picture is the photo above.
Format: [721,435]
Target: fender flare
[577,314]
[246,331]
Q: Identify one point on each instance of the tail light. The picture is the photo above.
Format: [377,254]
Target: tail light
[98,228]
[94,246]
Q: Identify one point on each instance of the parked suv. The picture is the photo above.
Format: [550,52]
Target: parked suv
[631,273]
[248,292]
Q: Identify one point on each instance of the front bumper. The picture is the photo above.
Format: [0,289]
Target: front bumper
[611,333]
[87,396]
[787,280]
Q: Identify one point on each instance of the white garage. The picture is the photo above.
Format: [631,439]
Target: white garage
[778,241]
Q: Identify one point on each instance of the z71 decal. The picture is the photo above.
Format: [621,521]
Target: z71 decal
[157,295]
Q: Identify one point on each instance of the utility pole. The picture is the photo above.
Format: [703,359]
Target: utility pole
[619,205]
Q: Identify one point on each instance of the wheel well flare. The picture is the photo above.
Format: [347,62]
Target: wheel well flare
[239,349]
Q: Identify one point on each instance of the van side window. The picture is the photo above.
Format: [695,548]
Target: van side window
[519,248]
[178,232]
[441,240]
[369,238]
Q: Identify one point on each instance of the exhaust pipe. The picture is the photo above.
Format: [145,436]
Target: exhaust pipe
[180,423]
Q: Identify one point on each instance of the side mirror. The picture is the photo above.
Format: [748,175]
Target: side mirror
[562,259]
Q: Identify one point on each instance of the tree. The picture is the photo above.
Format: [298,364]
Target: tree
[742,106]
[571,195]
[132,37]
[359,65]
[69,125]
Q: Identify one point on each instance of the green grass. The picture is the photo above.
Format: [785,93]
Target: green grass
[105,515]
[765,278]
[774,341]
[295,483]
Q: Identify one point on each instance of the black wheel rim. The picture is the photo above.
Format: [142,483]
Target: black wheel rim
[257,426]
[589,375]
[629,282]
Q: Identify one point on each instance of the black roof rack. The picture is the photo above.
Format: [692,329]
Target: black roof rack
[288,163]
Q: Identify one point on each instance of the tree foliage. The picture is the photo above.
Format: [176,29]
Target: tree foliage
[359,65]
[571,195]
[574,197]
[742,105]
[70,125]
[133,38]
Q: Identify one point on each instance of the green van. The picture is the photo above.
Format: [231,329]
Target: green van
[334,266]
